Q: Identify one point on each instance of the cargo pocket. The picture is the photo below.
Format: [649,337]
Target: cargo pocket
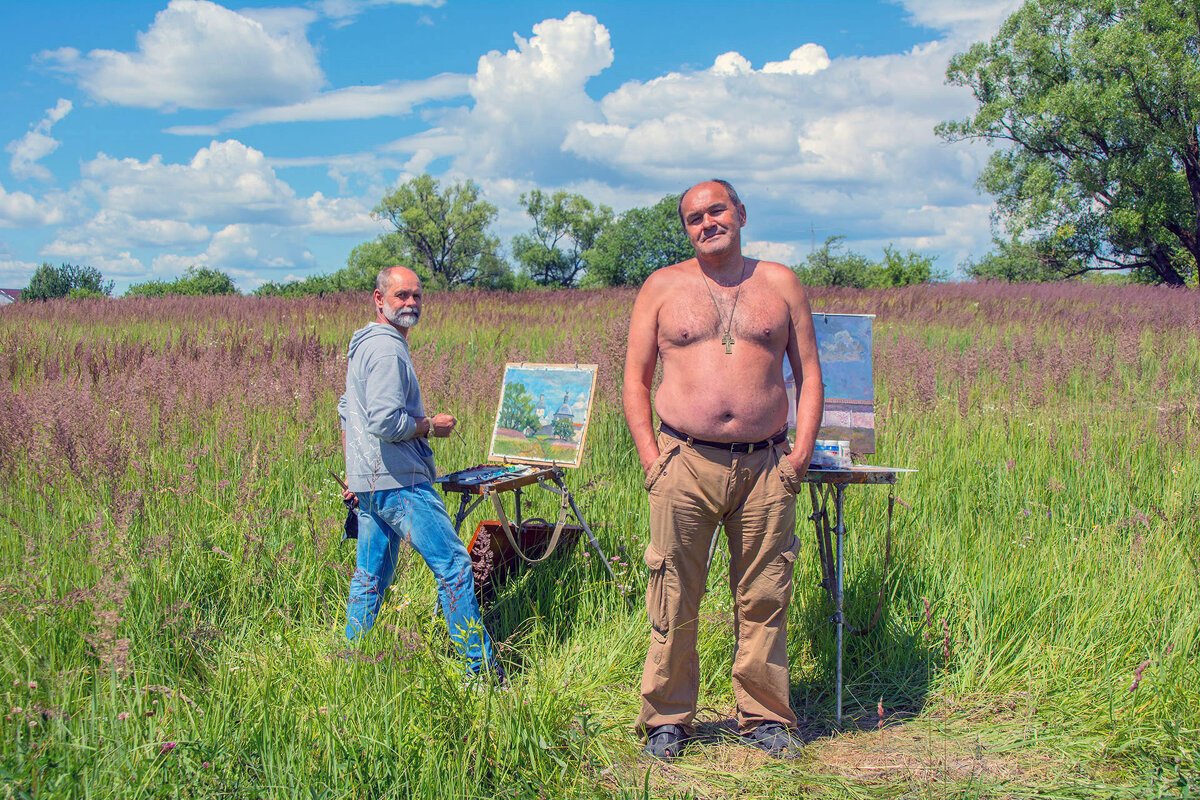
[658,467]
[782,567]
[657,594]
[793,550]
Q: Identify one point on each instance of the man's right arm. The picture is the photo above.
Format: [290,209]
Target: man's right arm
[385,390]
[641,356]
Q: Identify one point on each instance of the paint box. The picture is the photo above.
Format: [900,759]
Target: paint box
[831,454]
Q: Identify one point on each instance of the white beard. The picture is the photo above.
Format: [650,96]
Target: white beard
[405,318]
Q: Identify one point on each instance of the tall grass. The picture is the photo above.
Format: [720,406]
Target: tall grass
[173,586]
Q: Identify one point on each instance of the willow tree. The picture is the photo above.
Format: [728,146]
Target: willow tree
[1096,105]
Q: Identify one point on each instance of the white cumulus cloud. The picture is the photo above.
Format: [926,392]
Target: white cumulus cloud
[783,252]
[225,183]
[804,60]
[36,145]
[805,140]
[114,264]
[525,100]
[964,20]
[111,230]
[23,210]
[225,208]
[268,249]
[198,54]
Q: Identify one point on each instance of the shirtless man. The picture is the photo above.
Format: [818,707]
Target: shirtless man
[721,323]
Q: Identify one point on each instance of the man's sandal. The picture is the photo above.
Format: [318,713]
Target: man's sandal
[666,742]
[774,739]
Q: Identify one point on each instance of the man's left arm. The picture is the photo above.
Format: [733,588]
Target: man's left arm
[806,367]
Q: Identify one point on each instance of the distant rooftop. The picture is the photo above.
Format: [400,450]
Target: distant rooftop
[9,296]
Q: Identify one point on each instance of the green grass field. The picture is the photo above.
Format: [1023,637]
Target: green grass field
[172,585]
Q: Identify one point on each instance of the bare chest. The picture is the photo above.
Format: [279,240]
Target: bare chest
[758,317]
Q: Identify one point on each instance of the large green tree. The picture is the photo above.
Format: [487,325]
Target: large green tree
[565,228]
[443,233]
[517,412]
[49,282]
[1097,102]
[640,241]
[564,429]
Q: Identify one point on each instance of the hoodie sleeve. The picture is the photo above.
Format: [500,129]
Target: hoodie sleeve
[386,387]
[341,409]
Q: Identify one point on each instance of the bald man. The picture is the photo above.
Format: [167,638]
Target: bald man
[390,473]
[721,325]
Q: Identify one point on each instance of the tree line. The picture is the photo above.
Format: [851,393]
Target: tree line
[49,282]
[443,233]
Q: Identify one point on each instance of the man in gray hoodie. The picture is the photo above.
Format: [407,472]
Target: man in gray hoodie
[390,473]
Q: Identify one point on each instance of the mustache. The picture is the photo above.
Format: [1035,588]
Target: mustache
[406,316]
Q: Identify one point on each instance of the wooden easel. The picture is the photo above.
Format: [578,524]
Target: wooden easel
[549,478]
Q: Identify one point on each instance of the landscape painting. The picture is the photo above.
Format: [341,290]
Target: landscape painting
[543,414]
[844,345]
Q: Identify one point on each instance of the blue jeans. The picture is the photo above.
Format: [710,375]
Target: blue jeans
[415,515]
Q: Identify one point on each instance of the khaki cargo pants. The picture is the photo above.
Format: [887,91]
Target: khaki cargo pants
[692,488]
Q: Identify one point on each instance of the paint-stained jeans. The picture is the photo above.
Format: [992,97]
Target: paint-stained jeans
[691,489]
[415,515]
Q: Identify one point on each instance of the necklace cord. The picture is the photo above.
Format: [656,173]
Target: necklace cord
[728,340]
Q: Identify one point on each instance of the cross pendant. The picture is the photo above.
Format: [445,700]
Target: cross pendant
[727,340]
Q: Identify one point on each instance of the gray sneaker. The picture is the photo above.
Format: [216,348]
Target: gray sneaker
[774,739]
[666,742]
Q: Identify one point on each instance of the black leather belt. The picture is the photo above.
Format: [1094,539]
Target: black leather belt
[732,447]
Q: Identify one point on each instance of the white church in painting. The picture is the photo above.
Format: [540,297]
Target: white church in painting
[548,418]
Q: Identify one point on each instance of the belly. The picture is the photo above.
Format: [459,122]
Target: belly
[725,398]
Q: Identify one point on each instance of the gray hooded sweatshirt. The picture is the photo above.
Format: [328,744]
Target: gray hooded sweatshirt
[379,413]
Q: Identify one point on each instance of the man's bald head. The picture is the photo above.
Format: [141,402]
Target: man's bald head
[383,280]
[398,297]
[724,184]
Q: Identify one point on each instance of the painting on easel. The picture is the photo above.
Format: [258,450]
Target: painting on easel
[844,345]
[543,414]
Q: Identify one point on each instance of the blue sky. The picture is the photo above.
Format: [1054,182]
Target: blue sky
[143,137]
